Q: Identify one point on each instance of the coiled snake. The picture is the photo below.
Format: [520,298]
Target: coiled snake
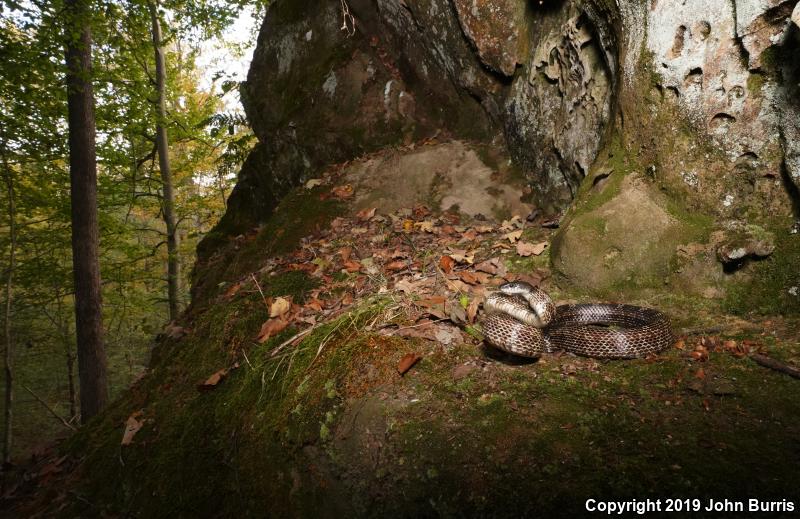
[523,320]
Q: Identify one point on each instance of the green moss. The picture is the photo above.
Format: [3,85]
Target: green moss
[620,163]
[767,284]
[224,449]
[755,82]
[301,213]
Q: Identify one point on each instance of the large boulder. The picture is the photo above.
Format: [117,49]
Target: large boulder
[596,251]
[698,98]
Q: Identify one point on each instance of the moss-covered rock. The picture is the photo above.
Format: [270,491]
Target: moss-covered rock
[627,242]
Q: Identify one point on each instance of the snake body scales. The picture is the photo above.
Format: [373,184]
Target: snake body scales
[523,320]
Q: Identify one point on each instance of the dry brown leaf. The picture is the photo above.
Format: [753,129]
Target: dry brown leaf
[394,266]
[352,266]
[431,301]
[700,353]
[489,266]
[468,277]
[469,235]
[420,211]
[132,426]
[366,214]
[217,377]
[700,373]
[472,309]
[462,256]
[232,290]
[513,236]
[446,263]
[526,249]
[314,304]
[407,362]
[279,307]
[214,379]
[483,228]
[305,267]
[425,226]
[270,328]
[434,306]
[424,329]
[345,191]
[473,278]
[408,226]
[399,254]
[456,313]
[345,252]
[515,221]
[314,182]
[404,285]
[448,335]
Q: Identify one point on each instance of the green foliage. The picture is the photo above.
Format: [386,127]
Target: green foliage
[208,143]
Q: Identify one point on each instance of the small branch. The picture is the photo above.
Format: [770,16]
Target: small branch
[348,20]
[291,340]
[50,409]
[769,362]
[260,292]
[702,331]
[426,323]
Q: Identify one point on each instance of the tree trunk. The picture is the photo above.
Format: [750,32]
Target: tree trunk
[168,200]
[8,358]
[71,383]
[83,189]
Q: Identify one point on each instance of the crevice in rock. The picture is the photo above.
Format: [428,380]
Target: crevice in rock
[744,55]
[674,92]
[721,120]
[695,76]
[789,112]
[677,46]
[791,189]
[703,28]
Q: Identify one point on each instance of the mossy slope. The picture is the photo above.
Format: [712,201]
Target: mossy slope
[328,427]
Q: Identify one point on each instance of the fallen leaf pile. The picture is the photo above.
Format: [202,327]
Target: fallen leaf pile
[701,347]
[436,267]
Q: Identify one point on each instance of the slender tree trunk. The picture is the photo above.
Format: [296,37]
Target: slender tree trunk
[83,189]
[71,382]
[8,358]
[168,201]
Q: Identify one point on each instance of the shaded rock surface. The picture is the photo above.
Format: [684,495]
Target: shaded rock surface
[698,100]
[496,28]
[449,176]
[595,249]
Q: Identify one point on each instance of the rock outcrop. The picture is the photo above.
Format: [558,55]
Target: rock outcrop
[696,101]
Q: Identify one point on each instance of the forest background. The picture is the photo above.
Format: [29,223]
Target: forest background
[207,45]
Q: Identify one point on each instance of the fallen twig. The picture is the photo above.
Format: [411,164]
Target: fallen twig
[50,409]
[702,330]
[769,362]
[260,292]
[292,339]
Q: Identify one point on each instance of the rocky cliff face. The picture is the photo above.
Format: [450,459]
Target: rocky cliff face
[696,101]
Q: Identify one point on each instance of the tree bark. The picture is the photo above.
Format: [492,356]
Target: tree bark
[83,190]
[8,357]
[168,199]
